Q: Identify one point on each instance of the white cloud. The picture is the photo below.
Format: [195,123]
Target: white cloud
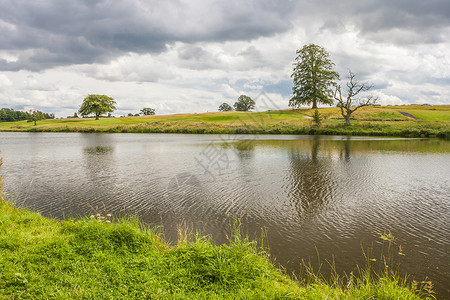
[5,82]
[384,99]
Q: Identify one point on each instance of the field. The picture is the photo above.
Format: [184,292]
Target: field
[428,121]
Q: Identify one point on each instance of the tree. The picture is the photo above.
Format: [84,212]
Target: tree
[225,107]
[147,111]
[313,77]
[353,89]
[317,118]
[244,103]
[98,105]
[11,115]
[35,116]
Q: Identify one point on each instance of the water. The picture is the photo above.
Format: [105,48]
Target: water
[330,197]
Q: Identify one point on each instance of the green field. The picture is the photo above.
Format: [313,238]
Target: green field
[433,121]
[106,258]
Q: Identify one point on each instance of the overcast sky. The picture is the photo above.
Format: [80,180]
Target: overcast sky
[190,56]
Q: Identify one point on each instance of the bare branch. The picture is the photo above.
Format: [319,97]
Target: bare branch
[353,89]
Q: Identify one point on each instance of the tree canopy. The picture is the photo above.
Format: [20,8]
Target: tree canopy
[244,103]
[313,77]
[34,116]
[11,115]
[225,107]
[97,105]
[148,111]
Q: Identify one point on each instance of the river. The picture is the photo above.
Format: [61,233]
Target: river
[316,198]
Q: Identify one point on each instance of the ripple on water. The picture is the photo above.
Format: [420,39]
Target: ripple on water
[312,194]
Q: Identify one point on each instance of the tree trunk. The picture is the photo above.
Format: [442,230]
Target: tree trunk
[314,104]
[96,117]
[34,123]
[347,119]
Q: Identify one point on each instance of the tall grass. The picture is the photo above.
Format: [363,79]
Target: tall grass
[378,279]
[106,258]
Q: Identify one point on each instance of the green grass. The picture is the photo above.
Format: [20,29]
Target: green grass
[42,258]
[439,113]
[375,121]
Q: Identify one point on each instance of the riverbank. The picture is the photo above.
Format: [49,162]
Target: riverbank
[100,257]
[405,121]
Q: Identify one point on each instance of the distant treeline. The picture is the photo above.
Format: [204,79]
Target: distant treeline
[11,115]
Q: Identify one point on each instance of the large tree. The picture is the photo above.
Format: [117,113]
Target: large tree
[244,103]
[97,105]
[354,88]
[313,77]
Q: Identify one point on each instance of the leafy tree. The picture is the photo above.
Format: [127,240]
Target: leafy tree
[98,105]
[317,118]
[35,116]
[11,115]
[130,115]
[244,103]
[147,111]
[313,77]
[49,116]
[225,107]
[3,115]
[353,89]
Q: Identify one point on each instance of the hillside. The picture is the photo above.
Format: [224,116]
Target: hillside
[408,121]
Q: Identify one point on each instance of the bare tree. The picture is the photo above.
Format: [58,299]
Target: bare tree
[353,89]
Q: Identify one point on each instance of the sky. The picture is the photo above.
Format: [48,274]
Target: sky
[180,56]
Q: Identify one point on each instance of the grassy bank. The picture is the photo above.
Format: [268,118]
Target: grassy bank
[432,121]
[98,259]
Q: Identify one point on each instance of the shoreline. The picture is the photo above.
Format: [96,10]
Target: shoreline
[122,258]
[338,131]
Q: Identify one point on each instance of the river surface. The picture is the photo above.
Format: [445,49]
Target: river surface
[316,198]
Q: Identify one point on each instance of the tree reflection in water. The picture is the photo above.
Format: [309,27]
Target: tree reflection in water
[310,178]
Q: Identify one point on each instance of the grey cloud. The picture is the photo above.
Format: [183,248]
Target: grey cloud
[400,22]
[188,52]
[430,93]
[78,32]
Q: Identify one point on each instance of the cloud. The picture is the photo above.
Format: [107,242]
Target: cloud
[190,56]
[59,33]
[5,82]
[399,22]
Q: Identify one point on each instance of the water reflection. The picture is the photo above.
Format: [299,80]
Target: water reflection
[310,179]
[100,167]
[98,150]
[345,153]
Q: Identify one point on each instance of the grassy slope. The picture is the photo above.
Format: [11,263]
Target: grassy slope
[367,121]
[93,259]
